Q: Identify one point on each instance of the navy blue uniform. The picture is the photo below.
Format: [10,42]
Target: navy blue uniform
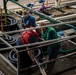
[30,21]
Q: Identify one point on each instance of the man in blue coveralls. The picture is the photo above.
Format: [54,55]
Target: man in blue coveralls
[28,20]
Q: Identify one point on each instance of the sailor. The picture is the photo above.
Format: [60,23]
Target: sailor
[28,20]
[50,33]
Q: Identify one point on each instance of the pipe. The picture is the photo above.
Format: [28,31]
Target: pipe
[52,3]
[63,51]
[41,15]
[72,42]
[67,51]
[52,25]
[35,12]
[66,17]
[52,60]
[45,42]
[40,43]
[14,13]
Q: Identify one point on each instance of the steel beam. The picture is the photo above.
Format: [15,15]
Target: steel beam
[41,15]
[52,60]
[50,25]
[41,43]
[35,12]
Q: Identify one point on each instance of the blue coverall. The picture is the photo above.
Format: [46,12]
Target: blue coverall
[30,21]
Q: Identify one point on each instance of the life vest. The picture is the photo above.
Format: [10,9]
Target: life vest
[26,34]
[46,35]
